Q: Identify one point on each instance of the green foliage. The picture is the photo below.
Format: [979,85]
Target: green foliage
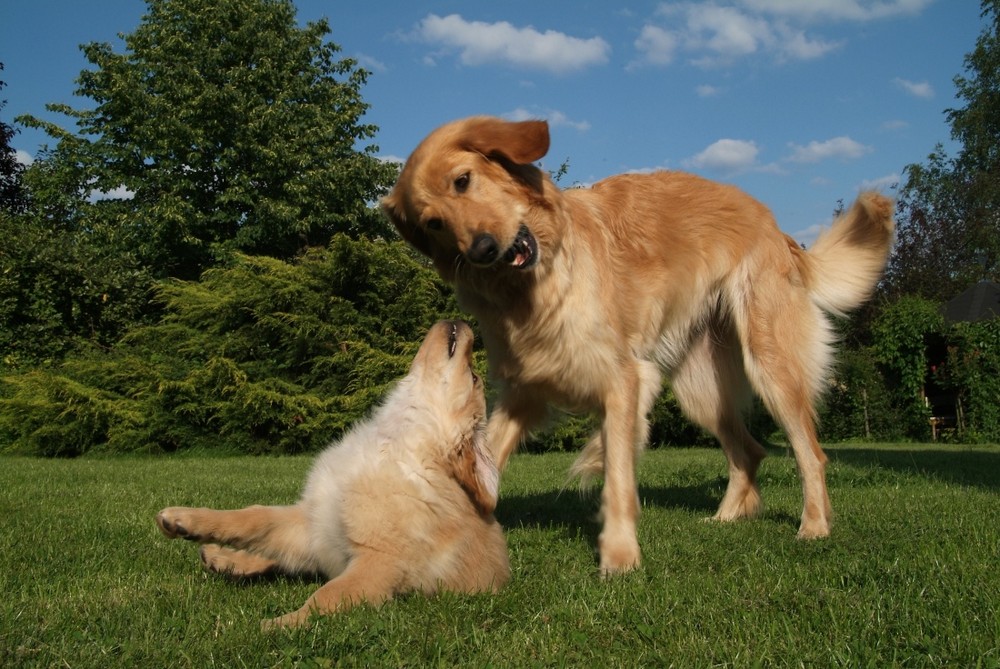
[12,197]
[223,128]
[262,357]
[60,287]
[230,127]
[972,371]
[901,335]
[949,221]
[858,405]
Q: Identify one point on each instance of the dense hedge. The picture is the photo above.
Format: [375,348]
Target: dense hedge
[265,356]
[268,356]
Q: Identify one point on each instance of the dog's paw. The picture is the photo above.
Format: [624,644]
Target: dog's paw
[174,523]
[287,621]
[619,558]
[216,559]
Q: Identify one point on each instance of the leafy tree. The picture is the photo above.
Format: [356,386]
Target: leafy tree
[264,356]
[223,127]
[902,333]
[12,198]
[972,372]
[949,223]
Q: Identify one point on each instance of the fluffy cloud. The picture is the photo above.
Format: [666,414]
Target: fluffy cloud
[480,43]
[888,182]
[713,35]
[836,10]
[657,45]
[727,155]
[843,148]
[554,117]
[920,89]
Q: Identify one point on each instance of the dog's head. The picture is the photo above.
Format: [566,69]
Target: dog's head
[443,375]
[466,192]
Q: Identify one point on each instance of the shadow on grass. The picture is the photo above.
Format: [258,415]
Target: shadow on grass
[576,513]
[959,464]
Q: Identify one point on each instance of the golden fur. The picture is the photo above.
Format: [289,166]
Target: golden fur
[404,502]
[586,298]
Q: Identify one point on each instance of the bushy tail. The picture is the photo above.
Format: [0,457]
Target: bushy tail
[847,260]
[589,465]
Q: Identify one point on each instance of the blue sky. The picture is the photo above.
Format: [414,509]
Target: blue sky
[798,102]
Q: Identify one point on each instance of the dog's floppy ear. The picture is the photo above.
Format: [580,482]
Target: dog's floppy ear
[474,470]
[521,142]
[411,233]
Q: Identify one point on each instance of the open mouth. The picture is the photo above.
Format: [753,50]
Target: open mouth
[452,339]
[523,253]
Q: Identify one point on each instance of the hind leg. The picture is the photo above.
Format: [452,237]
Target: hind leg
[235,563]
[787,351]
[279,533]
[712,389]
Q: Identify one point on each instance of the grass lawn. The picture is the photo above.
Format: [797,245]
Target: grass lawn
[910,577]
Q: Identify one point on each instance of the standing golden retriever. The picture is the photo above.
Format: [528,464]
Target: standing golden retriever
[403,502]
[586,297]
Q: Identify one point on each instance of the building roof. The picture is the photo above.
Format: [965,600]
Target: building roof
[978,302]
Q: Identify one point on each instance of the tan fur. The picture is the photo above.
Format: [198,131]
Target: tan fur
[633,278]
[404,502]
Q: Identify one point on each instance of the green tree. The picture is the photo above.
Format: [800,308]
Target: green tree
[222,127]
[12,198]
[949,218]
[902,333]
[263,356]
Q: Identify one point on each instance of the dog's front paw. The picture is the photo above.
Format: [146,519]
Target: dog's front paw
[618,557]
[175,522]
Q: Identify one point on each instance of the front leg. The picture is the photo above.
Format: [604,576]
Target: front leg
[621,433]
[516,413]
[371,577]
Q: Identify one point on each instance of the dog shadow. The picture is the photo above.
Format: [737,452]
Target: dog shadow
[575,513]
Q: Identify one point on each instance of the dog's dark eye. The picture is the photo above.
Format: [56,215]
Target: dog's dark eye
[462,183]
[434,224]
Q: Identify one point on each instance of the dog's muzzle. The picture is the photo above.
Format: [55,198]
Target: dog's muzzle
[521,254]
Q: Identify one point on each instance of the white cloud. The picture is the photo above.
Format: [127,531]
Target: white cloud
[729,155]
[370,63]
[895,124]
[23,157]
[707,91]
[843,148]
[888,182]
[920,89]
[715,35]
[807,237]
[391,159]
[656,45]
[480,43]
[836,10]
[555,118]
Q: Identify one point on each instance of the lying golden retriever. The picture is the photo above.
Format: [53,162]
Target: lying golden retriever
[586,297]
[404,502]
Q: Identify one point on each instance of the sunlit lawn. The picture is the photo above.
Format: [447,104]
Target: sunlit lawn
[910,577]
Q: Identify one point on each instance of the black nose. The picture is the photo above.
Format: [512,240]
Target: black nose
[484,250]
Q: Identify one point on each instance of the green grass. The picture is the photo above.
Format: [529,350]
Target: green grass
[911,576]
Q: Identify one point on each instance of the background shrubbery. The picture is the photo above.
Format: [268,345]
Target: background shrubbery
[201,265]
